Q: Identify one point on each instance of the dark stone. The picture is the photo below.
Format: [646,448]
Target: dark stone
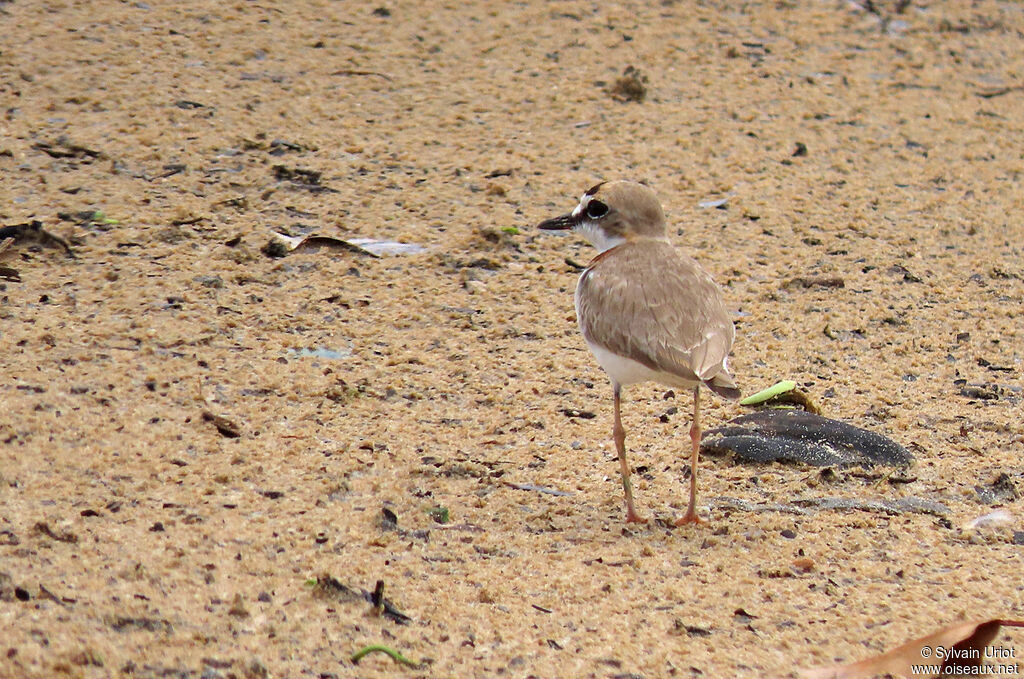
[798,436]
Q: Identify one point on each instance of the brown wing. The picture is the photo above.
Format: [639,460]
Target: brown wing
[677,321]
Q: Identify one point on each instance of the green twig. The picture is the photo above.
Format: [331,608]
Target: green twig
[395,655]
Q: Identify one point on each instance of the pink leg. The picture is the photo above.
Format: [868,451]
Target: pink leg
[691,512]
[619,434]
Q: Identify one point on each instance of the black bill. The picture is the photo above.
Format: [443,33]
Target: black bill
[558,223]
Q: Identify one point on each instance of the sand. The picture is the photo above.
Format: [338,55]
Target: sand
[851,178]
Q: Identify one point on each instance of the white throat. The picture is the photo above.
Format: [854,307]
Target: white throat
[597,236]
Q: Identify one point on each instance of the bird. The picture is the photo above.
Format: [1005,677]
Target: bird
[648,312]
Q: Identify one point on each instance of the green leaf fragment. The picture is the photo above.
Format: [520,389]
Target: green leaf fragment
[439,514]
[769,393]
[379,648]
[101,218]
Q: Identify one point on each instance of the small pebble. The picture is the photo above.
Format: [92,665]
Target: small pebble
[803,565]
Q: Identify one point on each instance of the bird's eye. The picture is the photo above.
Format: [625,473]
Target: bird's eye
[596,209]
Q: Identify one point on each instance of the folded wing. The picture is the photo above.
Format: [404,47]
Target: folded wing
[678,322]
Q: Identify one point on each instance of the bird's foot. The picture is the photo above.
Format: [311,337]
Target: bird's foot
[633,517]
[690,517]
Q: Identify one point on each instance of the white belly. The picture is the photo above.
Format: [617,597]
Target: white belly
[622,370]
[625,371]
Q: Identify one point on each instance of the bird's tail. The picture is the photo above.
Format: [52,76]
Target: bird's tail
[723,385]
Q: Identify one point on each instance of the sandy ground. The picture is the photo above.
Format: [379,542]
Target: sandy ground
[136,539]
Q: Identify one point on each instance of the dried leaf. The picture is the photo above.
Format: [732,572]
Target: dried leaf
[43,528]
[1000,517]
[942,653]
[226,427]
[314,242]
[538,489]
[33,232]
[328,587]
